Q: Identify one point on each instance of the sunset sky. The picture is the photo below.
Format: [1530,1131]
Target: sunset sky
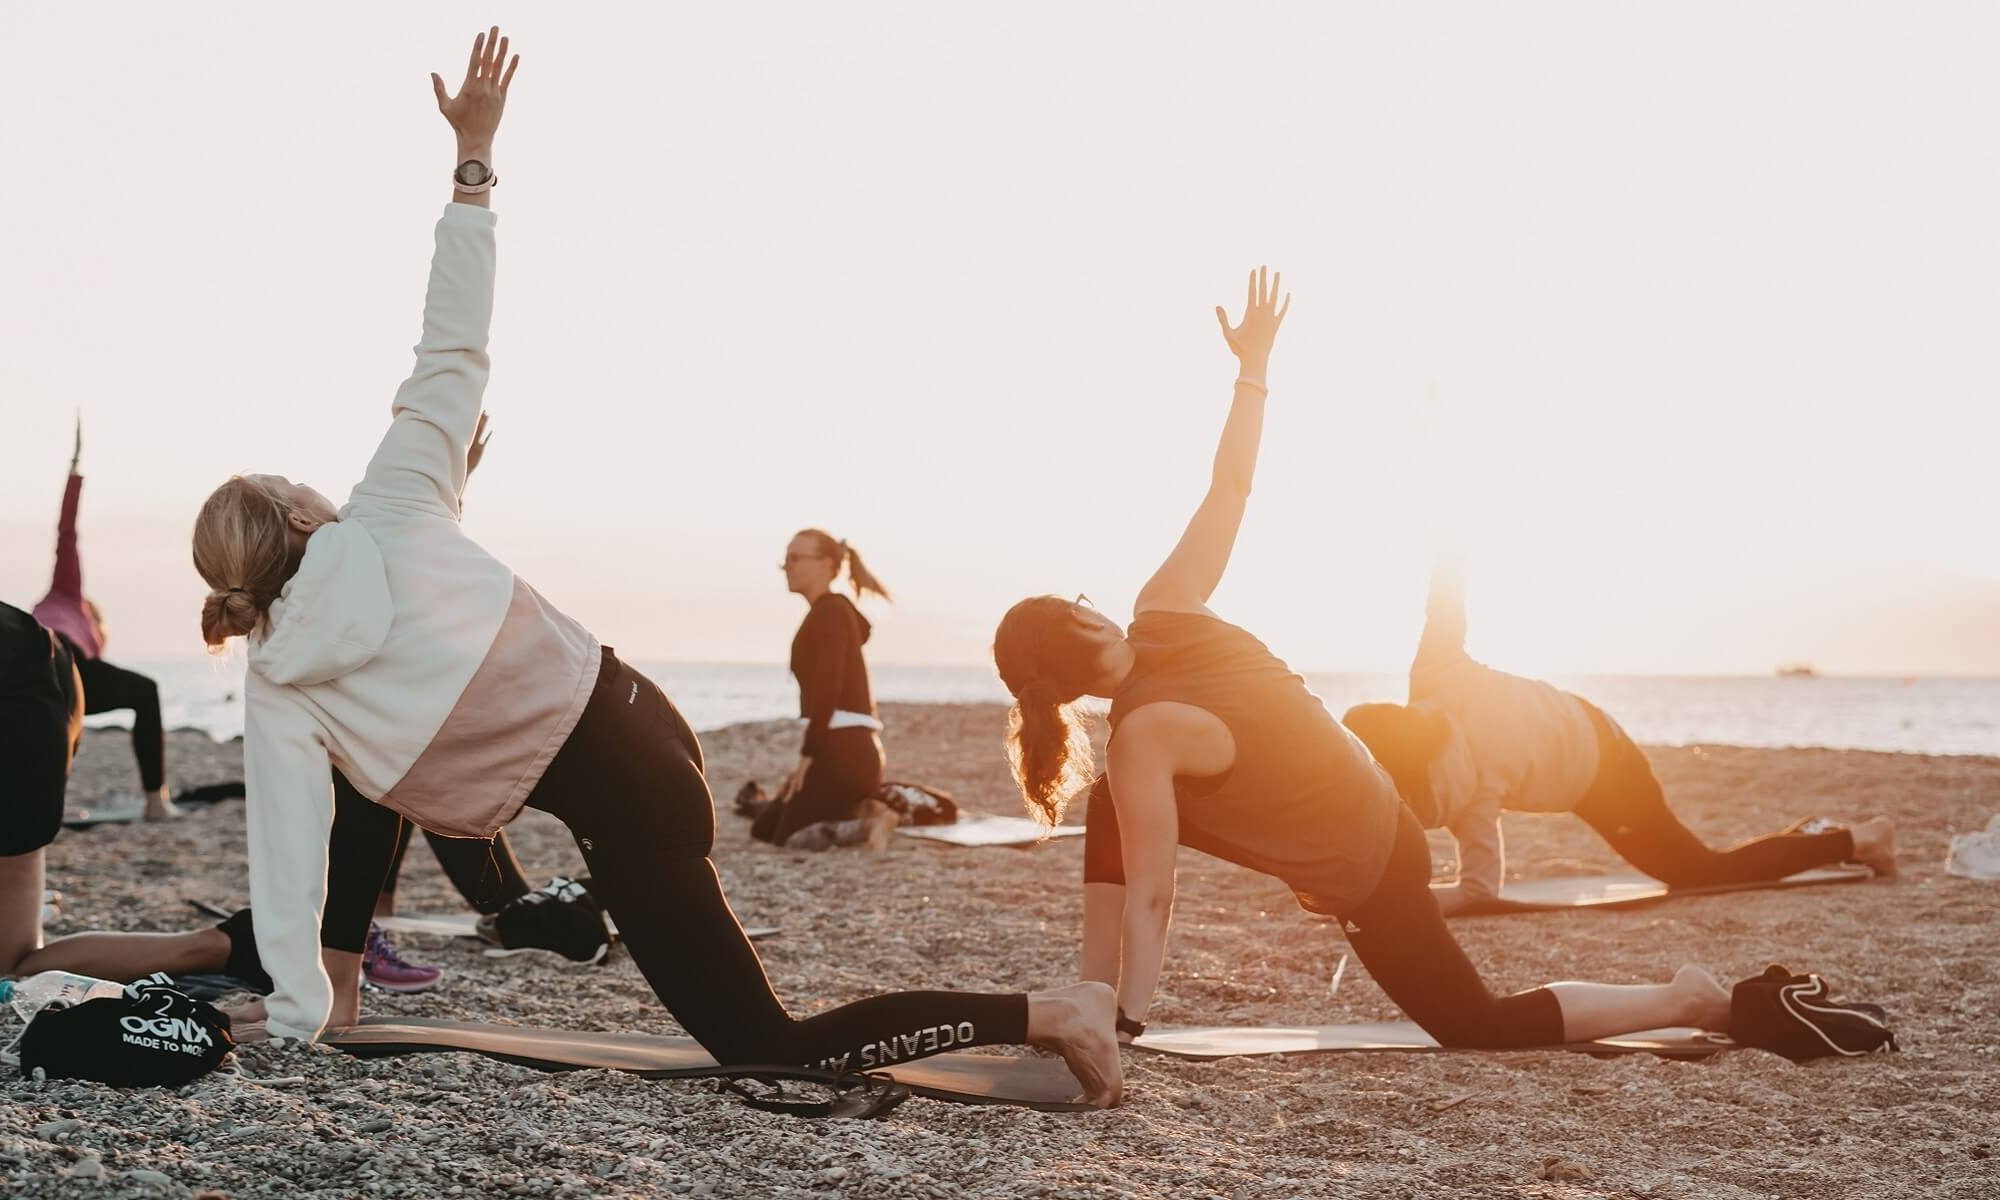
[1684,319]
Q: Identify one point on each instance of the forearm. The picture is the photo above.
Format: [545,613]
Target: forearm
[1103,928]
[1236,454]
[1147,917]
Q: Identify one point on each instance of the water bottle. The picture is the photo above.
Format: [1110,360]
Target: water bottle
[29,996]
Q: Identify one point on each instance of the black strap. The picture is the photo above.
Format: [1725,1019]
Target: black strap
[856,1097]
[1129,1027]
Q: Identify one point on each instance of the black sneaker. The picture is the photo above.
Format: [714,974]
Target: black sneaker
[561,918]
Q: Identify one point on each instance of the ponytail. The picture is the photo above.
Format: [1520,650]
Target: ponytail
[860,576]
[1049,749]
[242,549]
[1046,670]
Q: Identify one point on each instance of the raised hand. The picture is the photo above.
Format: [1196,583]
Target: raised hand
[1251,340]
[477,450]
[475,112]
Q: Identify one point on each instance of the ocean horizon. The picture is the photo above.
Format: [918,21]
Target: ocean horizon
[1915,715]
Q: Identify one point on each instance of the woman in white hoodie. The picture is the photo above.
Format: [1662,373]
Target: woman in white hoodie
[386,643]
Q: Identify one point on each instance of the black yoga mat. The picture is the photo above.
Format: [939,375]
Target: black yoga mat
[1040,1083]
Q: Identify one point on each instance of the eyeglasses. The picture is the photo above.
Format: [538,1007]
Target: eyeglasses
[1083,601]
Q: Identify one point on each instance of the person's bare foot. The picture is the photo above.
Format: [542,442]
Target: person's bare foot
[1875,845]
[161,807]
[1707,1001]
[878,822]
[1079,1022]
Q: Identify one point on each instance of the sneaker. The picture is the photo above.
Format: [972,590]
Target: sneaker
[383,967]
[562,918]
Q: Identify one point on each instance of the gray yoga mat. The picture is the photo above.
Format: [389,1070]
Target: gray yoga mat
[1042,1083]
[466,925]
[1622,890]
[989,831]
[1224,1041]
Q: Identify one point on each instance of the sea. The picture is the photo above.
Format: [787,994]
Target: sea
[1943,715]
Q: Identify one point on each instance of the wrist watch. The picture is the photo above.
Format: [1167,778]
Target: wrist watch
[474,176]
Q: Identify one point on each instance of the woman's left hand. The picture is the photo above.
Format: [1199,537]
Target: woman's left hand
[796,780]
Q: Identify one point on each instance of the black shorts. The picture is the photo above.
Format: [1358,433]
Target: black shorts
[41,718]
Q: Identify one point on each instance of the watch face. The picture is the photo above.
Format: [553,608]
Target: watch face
[472,172]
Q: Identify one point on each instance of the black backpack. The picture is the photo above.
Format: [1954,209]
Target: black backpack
[155,1035]
[1796,1016]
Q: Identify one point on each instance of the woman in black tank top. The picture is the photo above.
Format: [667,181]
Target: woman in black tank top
[1216,744]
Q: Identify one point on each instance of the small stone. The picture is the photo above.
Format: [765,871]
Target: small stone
[153,1177]
[51,1130]
[378,1125]
[1982,1150]
[89,1168]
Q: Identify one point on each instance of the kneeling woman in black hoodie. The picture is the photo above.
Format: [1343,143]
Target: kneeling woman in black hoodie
[828,799]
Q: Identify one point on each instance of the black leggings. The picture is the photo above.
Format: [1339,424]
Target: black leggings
[846,771]
[629,785]
[1399,935]
[107,688]
[486,874]
[1628,808]
[365,852]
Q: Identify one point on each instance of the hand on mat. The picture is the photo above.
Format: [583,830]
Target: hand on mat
[477,450]
[475,112]
[1251,340]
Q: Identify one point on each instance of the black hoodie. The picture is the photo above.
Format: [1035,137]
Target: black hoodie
[826,660]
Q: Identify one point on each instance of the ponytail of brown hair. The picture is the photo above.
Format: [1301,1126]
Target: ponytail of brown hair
[1048,744]
[844,555]
[242,550]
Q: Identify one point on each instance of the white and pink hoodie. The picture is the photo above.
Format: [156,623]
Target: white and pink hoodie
[437,681]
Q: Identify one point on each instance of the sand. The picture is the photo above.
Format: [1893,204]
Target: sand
[308,1121]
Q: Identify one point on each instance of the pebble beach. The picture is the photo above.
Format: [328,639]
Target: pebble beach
[296,1120]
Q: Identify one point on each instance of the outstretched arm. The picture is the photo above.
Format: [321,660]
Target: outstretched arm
[1444,613]
[1142,788]
[422,461]
[68,581]
[1189,576]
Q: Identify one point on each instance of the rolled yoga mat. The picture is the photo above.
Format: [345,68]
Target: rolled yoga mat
[1623,890]
[1224,1041]
[466,925]
[1041,1083]
[990,831]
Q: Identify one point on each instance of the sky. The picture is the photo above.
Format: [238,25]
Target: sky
[1678,318]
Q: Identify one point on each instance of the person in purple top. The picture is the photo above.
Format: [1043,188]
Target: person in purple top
[72,616]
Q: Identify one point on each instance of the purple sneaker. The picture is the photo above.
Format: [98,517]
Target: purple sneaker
[383,967]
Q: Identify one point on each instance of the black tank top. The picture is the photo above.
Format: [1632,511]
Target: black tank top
[1305,801]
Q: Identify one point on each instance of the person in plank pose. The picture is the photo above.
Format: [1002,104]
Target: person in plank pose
[387,644]
[1217,745]
[828,799]
[76,619]
[1473,741]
